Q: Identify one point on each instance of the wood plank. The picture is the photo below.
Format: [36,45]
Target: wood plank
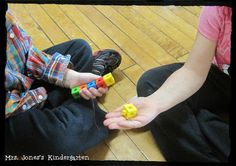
[121,39]
[96,35]
[66,24]
[175,20]
[111,100]
[196,10]
[40,39]
[149,29]
[124,87]
[185,14]
[100,152]
[54,33]
[129,72]
[123,147]
[146,143]
[166,27]
[142,40]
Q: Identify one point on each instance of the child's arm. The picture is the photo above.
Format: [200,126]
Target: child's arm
[178,87]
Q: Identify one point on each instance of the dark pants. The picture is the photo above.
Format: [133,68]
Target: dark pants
[198,128]
[64,125]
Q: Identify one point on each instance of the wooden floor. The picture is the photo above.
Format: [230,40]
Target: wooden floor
[146,37]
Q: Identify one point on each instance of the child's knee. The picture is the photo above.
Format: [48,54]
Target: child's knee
[81,42]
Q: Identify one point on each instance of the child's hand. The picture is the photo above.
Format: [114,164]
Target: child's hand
[147,111]
[92,93]
[73,79]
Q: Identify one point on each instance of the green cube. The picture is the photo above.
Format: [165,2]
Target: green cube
[75,92]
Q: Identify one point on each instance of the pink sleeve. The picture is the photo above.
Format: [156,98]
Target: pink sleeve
[209,22]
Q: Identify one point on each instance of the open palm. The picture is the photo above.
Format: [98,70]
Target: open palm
[147,111]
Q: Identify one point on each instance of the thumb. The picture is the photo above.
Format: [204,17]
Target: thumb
[91,76]
[87,77]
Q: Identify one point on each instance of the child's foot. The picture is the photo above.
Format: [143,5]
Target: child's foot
[105,61]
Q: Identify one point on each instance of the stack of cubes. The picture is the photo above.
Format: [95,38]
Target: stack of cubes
[105,81]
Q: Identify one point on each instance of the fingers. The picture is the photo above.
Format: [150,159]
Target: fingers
[130,124]
[103,90]
[95,92]
[113,123]
[114,120]
[115,113]
[86,94]
[92,93]
[114,126]
[121,123]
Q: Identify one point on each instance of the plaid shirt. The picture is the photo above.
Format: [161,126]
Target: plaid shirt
[25,63]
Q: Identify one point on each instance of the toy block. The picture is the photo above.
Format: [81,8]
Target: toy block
[109,79]
[83,86]
[129,111]
[92,84]
[106,80]
[100,83]
[75,92]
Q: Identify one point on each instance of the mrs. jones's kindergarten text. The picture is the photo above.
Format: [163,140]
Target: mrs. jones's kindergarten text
[47,157]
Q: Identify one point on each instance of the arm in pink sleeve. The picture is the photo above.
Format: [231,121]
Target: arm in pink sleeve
[209,22]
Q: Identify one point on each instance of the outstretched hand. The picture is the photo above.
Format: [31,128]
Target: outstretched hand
[147,111]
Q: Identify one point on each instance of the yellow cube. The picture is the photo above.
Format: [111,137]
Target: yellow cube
[129,111]
[109,79]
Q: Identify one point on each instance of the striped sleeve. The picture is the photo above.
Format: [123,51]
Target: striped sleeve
[19,102]
[50,68]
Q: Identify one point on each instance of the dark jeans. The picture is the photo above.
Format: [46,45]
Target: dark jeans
[198,128]
[64,125]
